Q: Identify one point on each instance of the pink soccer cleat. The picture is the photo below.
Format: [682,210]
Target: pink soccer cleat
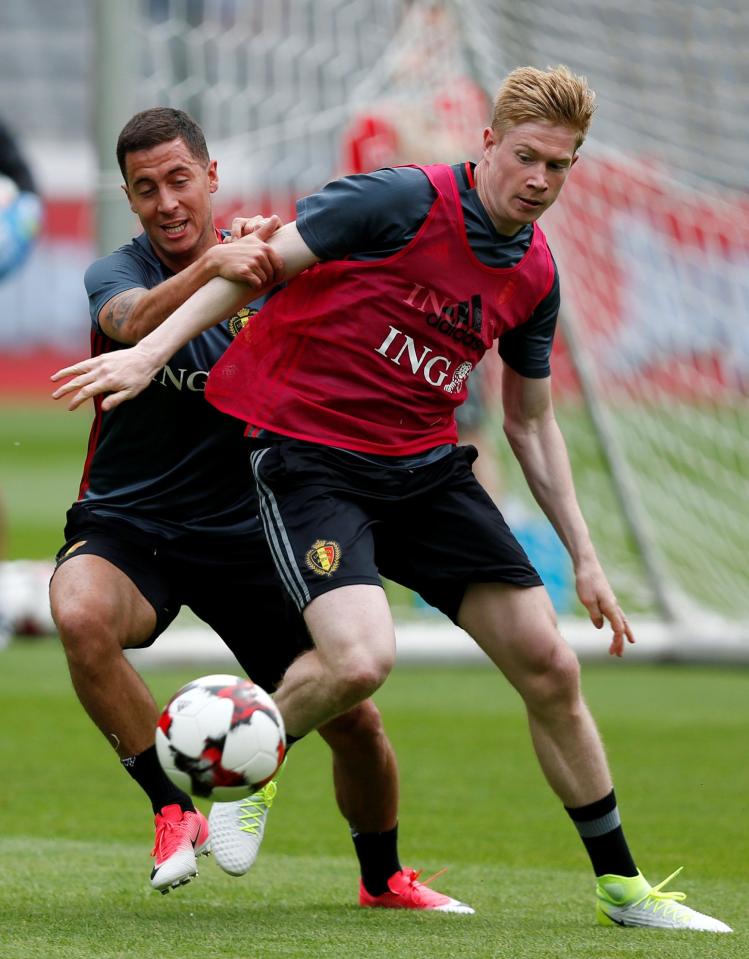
[406,892]
[180,838]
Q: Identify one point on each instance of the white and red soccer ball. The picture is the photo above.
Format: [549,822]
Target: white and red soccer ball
[221,737]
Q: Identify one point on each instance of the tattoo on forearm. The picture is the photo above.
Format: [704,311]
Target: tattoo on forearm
[120,310]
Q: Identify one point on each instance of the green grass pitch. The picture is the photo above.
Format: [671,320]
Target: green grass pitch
[76,832]
[42,449]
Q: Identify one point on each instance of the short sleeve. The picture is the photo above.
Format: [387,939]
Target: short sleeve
[113,274]
[367,216]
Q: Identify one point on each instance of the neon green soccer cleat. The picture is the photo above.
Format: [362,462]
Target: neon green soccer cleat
[632,901]
[237,829]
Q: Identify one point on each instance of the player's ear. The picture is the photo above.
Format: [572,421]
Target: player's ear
[491,137]
[213,176]
[123,187]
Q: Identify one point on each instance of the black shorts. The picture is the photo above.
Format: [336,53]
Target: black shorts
[335,519]
[233,587]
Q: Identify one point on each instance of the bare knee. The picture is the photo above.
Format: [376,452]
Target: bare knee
[357,681]
[98,611]
[86,632]
[356,669]
[551,684]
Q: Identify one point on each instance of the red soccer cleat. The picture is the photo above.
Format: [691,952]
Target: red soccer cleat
[405,892]
[180,838]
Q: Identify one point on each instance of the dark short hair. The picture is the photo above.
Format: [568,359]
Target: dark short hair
[157,125]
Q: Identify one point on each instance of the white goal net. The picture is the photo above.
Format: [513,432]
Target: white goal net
[651,236]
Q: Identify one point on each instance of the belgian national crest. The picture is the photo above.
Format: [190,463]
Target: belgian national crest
[324,557]
[240,319]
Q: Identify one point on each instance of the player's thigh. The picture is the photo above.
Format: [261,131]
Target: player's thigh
[517,629]
[89,593]
[112,583]
[353,631]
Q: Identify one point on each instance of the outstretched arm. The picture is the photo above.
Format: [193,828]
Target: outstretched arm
[132,314]
[126,373]
[538,445]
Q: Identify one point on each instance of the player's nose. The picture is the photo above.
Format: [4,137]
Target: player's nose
[167,200]
[537,179]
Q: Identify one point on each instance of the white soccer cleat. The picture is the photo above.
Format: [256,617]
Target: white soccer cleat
[180,838]
[632,901]
[237,829]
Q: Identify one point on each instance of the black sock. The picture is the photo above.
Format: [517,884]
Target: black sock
[600,829]
[378,858]
[146,770]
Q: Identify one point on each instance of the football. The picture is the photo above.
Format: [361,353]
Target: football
[220,737]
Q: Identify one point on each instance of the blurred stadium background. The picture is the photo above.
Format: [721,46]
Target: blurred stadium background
[652,238]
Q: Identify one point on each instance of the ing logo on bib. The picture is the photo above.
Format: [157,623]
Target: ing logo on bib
[324,557]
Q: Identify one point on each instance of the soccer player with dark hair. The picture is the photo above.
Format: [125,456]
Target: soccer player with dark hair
[348,380]
[166,518]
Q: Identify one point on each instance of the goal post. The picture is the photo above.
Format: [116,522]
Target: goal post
[651,233]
